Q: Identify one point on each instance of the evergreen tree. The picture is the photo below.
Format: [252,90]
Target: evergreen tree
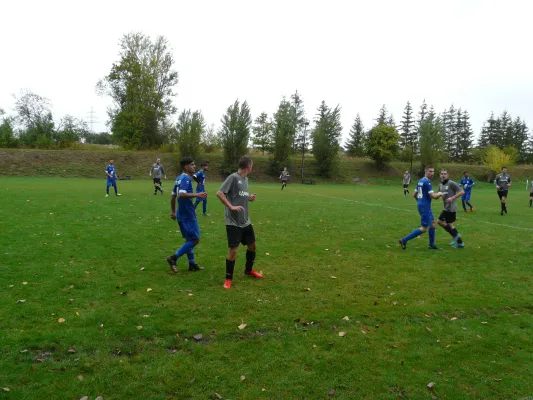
[407,128]
[235,133]
[520,136]
[488,132]
[383,117]
[326,139]
[262,133]
[299,124]
[356,142]
[505,130]
[449,130]
[464,136]
[284,131]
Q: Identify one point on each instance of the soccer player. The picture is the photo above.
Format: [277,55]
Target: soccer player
[451,191]
[199,177]
[406,182]
[284,176]
[423,194]
[531,193]
[503,183]
[158,170]
[234,195]
[467,183]
[186,216]
[111,173]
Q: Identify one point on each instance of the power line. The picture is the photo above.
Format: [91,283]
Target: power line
[92,119]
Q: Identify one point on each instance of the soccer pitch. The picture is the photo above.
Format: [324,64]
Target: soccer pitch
[90,307]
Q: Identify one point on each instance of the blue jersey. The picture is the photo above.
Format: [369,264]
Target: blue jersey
[186,210]
[467,184]
[110,169]
[200,177]
[423,189]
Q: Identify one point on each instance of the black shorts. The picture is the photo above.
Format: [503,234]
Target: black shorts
[502,193]
[158,181]
[405,185]
[284,181]
[447,216]
[237,235]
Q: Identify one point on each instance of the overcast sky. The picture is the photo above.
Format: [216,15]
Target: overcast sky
[360,54]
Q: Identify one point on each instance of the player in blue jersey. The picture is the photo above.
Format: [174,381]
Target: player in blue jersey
[467,184]
[423,194]
[186,215]
[199,177]
[111,173]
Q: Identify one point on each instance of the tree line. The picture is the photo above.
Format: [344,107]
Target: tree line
[142,116]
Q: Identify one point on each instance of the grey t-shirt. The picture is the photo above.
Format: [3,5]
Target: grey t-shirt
[235,187]
[449,189]
[406,179]
[503,180]
[158,170]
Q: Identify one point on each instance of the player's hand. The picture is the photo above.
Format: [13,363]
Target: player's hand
[449,200]
[202,195]
[252,197]
[237,208]
[173,216]
[498,188]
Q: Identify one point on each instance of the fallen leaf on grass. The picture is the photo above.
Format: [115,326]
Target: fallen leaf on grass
[431,385]
[331,393]
[342,334]
[71,287]
[100,397]
[190,294]
[216,394]
[497,380]
[428,329]
[198,337]
[23,351]
[267,254]
[453,319]
[80,377]
[242,326]
[85,398]
[142,269]
[364,331]
[21,301]
[5,389]
[149,289]
[139,327]
[333,277]
[72,350]
[346,318]
[24,283]
[243,377]
[484,323]
[61,320]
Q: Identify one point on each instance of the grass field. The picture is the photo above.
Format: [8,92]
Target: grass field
[460,318]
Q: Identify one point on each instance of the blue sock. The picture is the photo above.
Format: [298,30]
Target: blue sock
[412,235]
[205,206]
[190,256]
[184,249]
[431,232]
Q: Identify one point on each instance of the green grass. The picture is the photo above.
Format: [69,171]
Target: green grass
[462,319]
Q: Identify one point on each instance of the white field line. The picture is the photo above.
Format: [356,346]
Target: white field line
[397,209]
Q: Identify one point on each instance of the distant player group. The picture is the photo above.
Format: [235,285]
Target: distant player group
[450,191]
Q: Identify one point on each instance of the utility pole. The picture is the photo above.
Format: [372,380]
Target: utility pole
[92,119]
[306,123]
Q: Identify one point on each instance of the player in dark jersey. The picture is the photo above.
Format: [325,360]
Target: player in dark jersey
[158,170]
[284,177]
[406,181]
[423,195]
[451,191]
[503,183]
[467,183]
[531,193]
[186,215]
[199,177]
[234,195]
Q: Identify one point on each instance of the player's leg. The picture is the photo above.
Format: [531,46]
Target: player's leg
[234,235]
[424,223]
[204,208]
[248,239]
[190,242]
[193,234]
[457,239]
[503,201]
[531,199]
[199,189]
[463,202]
[108,184]
[432,234]
[116,189]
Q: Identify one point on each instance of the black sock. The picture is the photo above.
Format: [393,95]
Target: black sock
[530,202]
[454,232]
[250,258]
[459,240]
[230,266]
[503,207]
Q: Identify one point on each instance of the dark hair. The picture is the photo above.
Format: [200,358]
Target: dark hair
[465,172]
[185,161]
[428,167]
[244,162]
[204,164]
[504,167]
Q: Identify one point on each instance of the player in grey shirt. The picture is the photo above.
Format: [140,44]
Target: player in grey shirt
[451,191]
[503,183]
[406,182]
[234,195]
[158,170]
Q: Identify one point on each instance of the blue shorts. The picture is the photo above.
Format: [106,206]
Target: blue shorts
[111,183]
[466,196]
[200,189]
[426,217]
[189,230]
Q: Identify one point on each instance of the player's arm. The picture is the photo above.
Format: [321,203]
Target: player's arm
[435,196]
[510,183]
[173,206]
[151,169]
[163,171]
[415,194]
[224,200]
[497,183]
